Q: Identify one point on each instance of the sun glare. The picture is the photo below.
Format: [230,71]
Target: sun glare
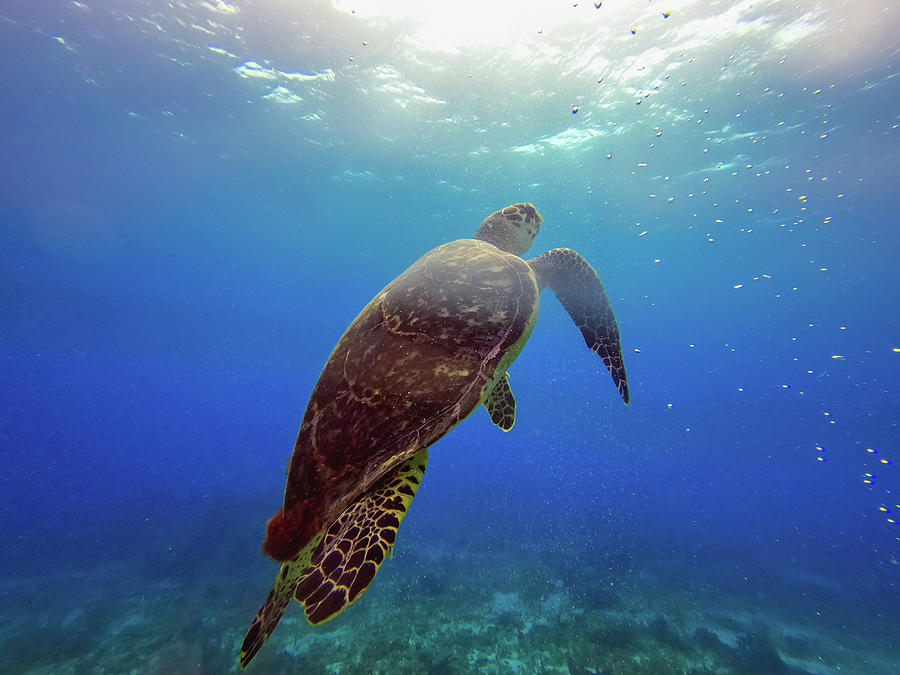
[465,24]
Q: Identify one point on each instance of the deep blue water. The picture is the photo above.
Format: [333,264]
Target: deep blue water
[198,197]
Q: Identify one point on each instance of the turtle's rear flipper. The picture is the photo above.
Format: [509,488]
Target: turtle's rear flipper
[270,613]
[581,292]
[354,546]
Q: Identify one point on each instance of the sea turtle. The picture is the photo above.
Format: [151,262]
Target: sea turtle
[430,348]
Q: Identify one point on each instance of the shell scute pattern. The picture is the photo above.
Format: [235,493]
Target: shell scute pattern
[415,361]
[461,295]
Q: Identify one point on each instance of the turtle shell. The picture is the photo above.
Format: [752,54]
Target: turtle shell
[416,361]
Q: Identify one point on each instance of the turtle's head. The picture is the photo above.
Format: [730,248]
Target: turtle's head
[512,229]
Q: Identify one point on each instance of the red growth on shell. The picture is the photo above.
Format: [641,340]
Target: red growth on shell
[287,533]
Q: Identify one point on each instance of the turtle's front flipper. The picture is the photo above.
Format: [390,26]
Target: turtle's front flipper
[501,405]
[354,546]
[279,596]
[581,292]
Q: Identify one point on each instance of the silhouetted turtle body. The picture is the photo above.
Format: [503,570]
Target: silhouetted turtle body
[430,348]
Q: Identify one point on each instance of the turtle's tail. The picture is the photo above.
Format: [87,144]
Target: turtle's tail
[276,602]
[270,613]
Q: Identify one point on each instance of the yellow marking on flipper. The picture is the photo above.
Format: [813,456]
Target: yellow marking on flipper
[357,542]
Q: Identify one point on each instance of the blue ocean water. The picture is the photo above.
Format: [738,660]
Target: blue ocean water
[199,196]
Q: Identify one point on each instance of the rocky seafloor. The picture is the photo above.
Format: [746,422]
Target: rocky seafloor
[436,609]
